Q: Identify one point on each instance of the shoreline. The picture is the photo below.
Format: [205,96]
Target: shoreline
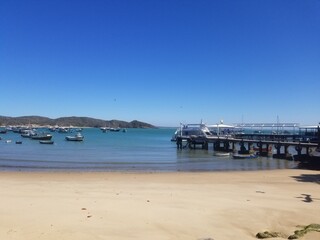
[132,171]
[158,205]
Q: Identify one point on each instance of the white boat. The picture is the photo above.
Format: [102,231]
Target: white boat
[28,133]
[115,129]
[187,130]
[78,137]
[63,130]
[104,129]
[221,129]
[244,156]
[221,154]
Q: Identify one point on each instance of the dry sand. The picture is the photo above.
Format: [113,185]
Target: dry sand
[197,206]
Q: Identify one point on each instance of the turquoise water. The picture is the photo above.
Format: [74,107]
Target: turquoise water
[134,150]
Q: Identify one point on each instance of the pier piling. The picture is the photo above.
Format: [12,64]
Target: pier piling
[262,146]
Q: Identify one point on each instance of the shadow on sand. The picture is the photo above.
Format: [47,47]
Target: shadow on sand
[307,198]
[308,178]
[313,178]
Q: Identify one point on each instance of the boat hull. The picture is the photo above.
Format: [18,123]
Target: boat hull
[46,142]
[221,154]
[244,156]
[42,137]
[77,138]
[74,139]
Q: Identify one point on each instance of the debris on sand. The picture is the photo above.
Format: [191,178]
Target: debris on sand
[266,234]
[305,229]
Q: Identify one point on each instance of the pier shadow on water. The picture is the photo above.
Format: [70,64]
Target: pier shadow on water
[309,165]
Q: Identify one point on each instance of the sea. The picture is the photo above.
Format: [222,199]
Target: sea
[137,150]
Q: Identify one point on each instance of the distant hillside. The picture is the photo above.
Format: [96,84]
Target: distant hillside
[71,121]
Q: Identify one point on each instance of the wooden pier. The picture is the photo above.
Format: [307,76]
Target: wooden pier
[262,146]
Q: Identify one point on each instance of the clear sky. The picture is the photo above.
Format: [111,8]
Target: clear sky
[161,61]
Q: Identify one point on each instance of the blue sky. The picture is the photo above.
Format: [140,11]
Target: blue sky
[161,61]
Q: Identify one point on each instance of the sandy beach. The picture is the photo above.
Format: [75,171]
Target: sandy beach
[197,206]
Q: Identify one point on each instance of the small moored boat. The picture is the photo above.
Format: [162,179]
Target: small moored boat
[115,129]
[78,137]
[46,141]
[27,133]
[42,136]
[244,156]
[221,154]
[3,131]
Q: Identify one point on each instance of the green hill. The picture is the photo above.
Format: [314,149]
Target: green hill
[71,121]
